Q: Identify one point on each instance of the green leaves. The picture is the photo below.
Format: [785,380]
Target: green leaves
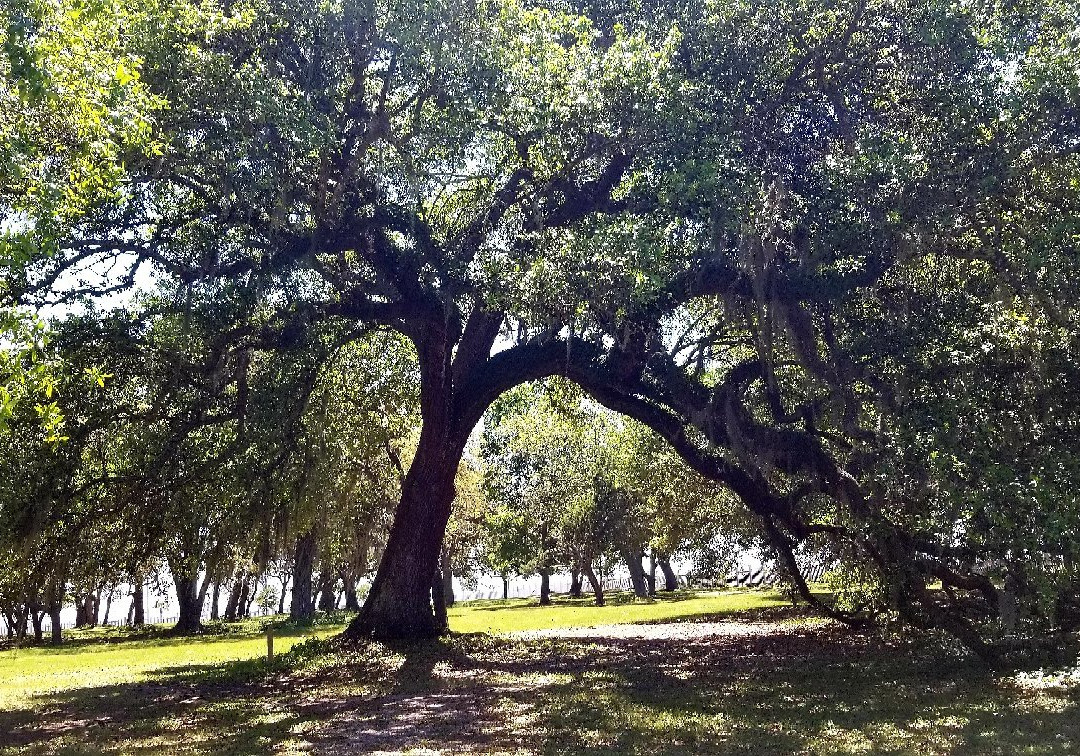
[72,113]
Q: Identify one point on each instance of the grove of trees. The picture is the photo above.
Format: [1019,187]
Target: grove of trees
[793,272]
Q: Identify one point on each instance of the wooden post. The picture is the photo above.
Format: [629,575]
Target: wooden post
[269,644]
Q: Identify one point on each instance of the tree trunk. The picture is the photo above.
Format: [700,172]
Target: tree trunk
[447,573]
[250,598]
[233,602]
[327,580]
[651,574]
[438,603]
[575,583]
[9,621]
[399,603]
[187,597]
[302,608]
[598,589]
[456,386]
[637,573]
[215,600]
[80,611]
[671,581]
[545,587]
[54,619]
[37,618]
[108,607]
[138,604]
[245,594]
[506,587]
[95,607]
[23,613]
[284,589]
[352,601]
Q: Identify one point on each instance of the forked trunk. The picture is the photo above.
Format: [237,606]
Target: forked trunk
[453,365]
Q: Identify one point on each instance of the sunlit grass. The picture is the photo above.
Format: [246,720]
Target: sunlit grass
[95,658]
[514,615]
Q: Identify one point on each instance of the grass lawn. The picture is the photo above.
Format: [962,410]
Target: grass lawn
[96,658]
[525,614]
[765,680]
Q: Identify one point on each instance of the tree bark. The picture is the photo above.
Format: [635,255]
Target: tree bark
[671,581]
[215,600]
[459,378]
[108,607]
[245,594]
[233,602]
[399,604]
[352,601]
[80,611]
[327,579]
[284,589]
[187,597]
[545,587]
[575,583]
[22,615]
[54,619]
[302,608]
[598,589]
[632,558]
[138,603]
[37,619]
[252,593]
[447,573]
[438,603]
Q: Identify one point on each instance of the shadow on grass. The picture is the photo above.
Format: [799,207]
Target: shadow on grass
[783,689]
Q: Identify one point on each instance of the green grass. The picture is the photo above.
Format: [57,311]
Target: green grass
[525,614]
[95,658]
[789,684]
[112,660]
